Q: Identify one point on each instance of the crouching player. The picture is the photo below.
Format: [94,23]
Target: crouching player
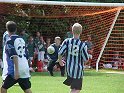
[76,54]
[18,68]
[54,57]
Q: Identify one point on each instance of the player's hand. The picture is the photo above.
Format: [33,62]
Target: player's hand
[61,63]
[57,61]
[90,51]
[90,56]
[16,76]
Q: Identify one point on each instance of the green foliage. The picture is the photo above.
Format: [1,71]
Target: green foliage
[48,27]
[22,22]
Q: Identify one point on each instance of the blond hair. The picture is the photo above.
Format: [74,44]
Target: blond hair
[77,29]
[58,38]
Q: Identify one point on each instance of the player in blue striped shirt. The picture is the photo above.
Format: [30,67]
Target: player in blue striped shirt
[16,57]
[76,54]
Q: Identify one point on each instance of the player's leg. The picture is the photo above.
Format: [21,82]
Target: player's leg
[74,91]
[25,84]
[68,81]
[28,91]
[8,82]
[62,69]
[3,90]
[76,85]
[50,67]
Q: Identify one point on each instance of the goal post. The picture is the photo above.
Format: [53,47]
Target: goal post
[106,40]
[54,18]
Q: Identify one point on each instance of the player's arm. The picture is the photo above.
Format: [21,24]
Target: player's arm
[14,57]
[15,60]
[60,60]
[85,54]
[61,52]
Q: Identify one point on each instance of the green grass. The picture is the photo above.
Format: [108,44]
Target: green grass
[93,82]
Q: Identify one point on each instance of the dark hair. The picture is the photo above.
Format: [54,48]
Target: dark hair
[30,36]
[11,26]
[88,35]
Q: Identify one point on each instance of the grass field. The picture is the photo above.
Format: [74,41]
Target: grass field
[93,82]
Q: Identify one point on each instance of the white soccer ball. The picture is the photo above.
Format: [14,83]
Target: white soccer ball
[50,50]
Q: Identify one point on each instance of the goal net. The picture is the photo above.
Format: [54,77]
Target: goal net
[56,18]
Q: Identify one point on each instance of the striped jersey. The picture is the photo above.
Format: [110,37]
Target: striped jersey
[76,53]
[5,38]
[16,46]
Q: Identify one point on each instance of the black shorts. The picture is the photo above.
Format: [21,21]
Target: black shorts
[73,83]
[24,83]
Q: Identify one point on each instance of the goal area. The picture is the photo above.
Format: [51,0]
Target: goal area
[103,21]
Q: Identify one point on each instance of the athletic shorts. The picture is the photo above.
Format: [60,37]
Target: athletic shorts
[24,83]
[73,83]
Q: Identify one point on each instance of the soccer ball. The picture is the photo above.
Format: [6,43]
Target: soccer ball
[50,50]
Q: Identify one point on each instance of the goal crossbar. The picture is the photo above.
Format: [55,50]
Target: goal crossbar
[63,3]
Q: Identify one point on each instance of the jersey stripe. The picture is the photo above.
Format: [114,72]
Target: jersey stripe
[76,54]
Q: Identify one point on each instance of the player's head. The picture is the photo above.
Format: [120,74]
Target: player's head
[89,37]
[57,40]
[22,32]
[38,34]
[11,27]
[48,40]
[77,29]
[41,38]
[30,38]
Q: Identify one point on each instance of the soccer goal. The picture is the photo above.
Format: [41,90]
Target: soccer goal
[103,21]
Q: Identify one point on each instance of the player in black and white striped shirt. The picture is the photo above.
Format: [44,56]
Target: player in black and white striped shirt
[76,54]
